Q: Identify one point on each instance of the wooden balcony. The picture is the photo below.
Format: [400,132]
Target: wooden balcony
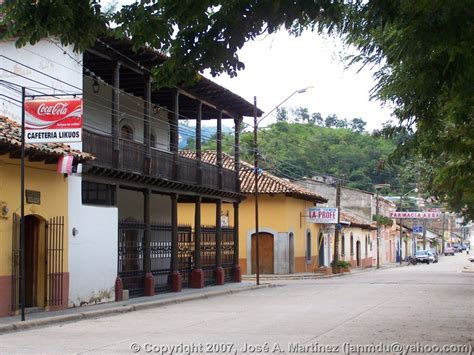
[131,158]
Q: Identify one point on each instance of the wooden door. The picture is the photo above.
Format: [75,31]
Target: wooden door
[265,247]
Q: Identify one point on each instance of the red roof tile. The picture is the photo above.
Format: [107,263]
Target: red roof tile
[267,183]
[10,137]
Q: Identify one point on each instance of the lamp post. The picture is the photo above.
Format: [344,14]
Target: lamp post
[377,187]
[256,168]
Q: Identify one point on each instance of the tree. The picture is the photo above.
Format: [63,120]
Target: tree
[423,48]
[357,125]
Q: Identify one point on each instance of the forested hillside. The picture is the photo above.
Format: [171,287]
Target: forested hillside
[300,144]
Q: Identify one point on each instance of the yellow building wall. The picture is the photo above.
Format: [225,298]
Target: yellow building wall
[277,213]
[54,202]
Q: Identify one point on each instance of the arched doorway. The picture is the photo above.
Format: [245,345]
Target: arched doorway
[321,250]
[32,260]
[291,253]
[358,253]
[265,250]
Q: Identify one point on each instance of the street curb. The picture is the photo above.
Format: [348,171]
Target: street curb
[68,318]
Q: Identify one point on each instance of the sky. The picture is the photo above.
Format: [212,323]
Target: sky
[279,64]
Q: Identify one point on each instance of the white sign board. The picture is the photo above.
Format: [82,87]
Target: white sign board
[322,215]
[415,215]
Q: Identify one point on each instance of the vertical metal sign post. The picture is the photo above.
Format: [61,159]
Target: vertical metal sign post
[256,187]
[336,230]
[22,208]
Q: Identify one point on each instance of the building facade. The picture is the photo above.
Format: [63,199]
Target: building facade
[46,253]
[288,243]
[123,205]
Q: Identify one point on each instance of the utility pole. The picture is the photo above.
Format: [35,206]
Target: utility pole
[424,234]
[401,234]
[257,256]
[336,230]
[378,227]
[442,236]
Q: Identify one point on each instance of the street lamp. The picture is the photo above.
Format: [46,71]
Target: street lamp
[377,187]
[256,169]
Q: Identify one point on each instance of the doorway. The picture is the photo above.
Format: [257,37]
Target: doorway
[321,250]
[266,255]
[358,253]
[32,228]
[291,253]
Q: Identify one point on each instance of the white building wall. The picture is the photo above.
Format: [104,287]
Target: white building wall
[98,114]
[93,252]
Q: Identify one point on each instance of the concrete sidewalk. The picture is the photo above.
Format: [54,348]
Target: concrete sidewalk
[317,275]
[37,319]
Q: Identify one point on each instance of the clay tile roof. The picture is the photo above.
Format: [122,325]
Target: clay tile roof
[10,140]
[355,221]
[267,183]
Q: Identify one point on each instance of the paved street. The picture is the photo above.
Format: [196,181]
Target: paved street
[423,304]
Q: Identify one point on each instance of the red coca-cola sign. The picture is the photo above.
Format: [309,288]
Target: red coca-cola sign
[49,121]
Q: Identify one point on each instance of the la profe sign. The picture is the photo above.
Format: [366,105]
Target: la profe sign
[53,121]
[322,215]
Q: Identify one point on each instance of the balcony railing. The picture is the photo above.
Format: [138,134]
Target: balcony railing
[131,157]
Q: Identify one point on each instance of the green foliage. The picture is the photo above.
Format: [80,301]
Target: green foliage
[382,220]
[424,49]
[294,150]
[343,264]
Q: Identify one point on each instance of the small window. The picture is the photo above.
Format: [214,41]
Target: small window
[308,247]
[94,193]
[152,140]
[126,132]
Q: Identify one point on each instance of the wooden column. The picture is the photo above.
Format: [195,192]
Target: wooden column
[116,115]
[149,281]
[219,150]
[147,124]
[237,269]
[219,269]
[198,142]
[176,281]
[197,275]
[237,122]
[174,134]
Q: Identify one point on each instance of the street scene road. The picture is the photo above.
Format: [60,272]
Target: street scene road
[427,307]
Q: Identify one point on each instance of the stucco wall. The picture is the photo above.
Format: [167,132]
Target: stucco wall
[98,114]
[54,196]
[93,252]
[279,216]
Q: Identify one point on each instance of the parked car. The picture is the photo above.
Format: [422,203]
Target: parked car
[448,251]
[457,248]
[423,256]
[434,254]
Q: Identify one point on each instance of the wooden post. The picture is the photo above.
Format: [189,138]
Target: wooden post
[198,142]
[197,275]
[219,151]
[237,269]
[174,134]
[149,281]
[237,122]
[219,269]
[116,115]
[176,281]
[147,124]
